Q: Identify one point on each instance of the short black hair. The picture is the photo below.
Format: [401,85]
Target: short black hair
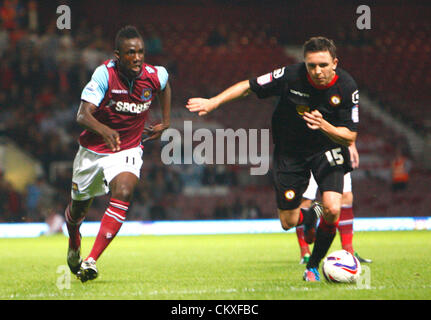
[316,44]
[127,32]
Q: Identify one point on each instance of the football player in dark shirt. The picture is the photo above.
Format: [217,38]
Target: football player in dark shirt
[313,124]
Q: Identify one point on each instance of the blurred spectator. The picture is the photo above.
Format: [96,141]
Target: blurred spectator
[209,175]
[401,166]
[12,204]
[32,16]
[42,195]
[33,195]
[191,175]
[251,210]
[237,208]
[4,39]
[218,36]
[157,211]
[224,175]
[49,44]
[158,188]
[153,42]
[174,182]
[91,58]
[54,218]
[12,14]
[142,202]
[3,198]
[221,210]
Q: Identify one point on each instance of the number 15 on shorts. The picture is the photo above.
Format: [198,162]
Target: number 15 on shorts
[334,157]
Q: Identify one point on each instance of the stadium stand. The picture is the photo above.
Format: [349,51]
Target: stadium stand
[42,71]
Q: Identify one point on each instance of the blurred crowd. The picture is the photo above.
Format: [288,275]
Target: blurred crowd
[42,72]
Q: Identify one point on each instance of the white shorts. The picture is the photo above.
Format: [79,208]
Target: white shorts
[311,191]
[93,172]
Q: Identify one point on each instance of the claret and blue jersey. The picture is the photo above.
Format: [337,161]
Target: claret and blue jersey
[122,104]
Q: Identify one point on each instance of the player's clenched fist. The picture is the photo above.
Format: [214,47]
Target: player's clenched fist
[313,119]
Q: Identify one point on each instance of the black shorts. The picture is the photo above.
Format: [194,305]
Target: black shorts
[291,174]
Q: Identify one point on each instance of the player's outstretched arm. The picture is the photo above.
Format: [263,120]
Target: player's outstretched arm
[340,135]
[205,106]
[156,131]
[85,119]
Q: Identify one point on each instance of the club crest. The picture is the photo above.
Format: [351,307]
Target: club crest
[335,100]
[301,109]
[147,93]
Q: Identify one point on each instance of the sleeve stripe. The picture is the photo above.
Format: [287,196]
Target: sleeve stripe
[163,77]
[95,90]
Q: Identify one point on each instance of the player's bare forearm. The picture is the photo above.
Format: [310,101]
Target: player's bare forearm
[340,135]
[205,106]
[354,155]
[154,132]
[86,119]
[165,101]
[238,90]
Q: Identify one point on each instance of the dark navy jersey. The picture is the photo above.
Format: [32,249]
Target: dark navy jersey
[337,102]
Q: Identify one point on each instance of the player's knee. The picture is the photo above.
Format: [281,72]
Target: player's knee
[79,209]
[332,211]
[287,221]
[122,192]
[286,225]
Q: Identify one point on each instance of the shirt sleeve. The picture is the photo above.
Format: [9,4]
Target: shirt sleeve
[163,75]
[269,84]
[95,90]
[349,111]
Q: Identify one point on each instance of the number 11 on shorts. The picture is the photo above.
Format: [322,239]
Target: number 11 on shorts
[334,156]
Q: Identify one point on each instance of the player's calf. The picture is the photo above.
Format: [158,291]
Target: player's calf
[315,212]
[288,218]
[74,259]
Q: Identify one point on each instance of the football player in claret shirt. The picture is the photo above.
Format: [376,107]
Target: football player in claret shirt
[113,110]
[313,124]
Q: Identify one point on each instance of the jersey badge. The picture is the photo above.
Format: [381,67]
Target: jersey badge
[301,109]
[289,195]
[355,113]
[265,79]
[75,188]
[147,93]
[335,100]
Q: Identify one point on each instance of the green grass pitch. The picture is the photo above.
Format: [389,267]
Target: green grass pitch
[212,267]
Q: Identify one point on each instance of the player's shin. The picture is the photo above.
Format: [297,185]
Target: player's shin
[345,228]
[303,246]
[111,223]
[73,225]
[306,216]
[325,235]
